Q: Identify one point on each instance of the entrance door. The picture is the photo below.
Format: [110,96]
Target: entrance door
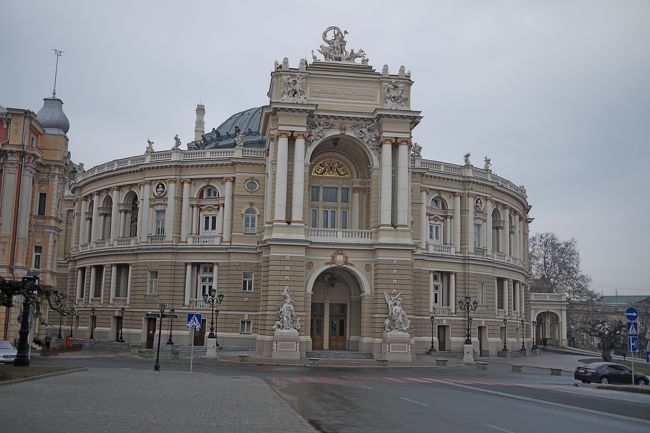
[442,341]
[151,332]
[199,334]
[481,337]
[338,319]
[317,320]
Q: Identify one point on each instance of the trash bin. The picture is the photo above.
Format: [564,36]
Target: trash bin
[68,341]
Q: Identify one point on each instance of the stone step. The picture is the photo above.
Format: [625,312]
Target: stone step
[338,354]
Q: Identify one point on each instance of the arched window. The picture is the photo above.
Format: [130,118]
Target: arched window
[89,217]
[436,203]
[106,218]
[133,217]
[209,192]
[250,221]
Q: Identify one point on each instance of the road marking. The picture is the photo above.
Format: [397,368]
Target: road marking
[499,428]
[367,387]
[413,401]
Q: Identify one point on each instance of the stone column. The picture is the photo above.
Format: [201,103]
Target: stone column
[452,292]
[76,223]
[488,228]
[423,218]
[115,213]
[402,197]
[270,181]
[326,326]
[113,283]
[94,235]
[171,210]
[227,211]
[470,222]
[496,296]
[515,240]
[298,179]
[521,239]
[83,223]
[355,208]
[185,210]
[506,231]
[93,278]
[188,283]
[215,275]
[80,283]
[386,199]
[196,214]
[281,179]
[144,221]
[506,289]
[522,298]
[456,239]
[104,268]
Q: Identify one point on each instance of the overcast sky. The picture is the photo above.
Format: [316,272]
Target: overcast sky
[557,93]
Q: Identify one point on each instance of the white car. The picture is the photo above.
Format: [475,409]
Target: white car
[7,352]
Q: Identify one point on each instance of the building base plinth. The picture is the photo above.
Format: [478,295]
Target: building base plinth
[286,344]
[211,347]
[396,346]
[468,354]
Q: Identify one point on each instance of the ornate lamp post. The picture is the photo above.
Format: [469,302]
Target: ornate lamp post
[121,337]
[534,322]
[59,336]
[505,335]
[467,306]
[156,366]
[72,316]
[93,318]
[171,324]
[433,348]
[523,335]
[213,299]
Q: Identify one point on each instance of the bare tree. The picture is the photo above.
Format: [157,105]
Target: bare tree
[612,334]
[555,268]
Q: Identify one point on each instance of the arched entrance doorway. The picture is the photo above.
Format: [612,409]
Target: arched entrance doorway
[548,327]
[335,322]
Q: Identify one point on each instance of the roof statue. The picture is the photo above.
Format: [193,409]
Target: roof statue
[334,48]
[149,148]
[177,142]
[466,158]
[488,164]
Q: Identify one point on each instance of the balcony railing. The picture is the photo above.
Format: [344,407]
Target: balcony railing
[204,240]
[325,235]
[547,297]
[442,311]
[156,239]
[441,249]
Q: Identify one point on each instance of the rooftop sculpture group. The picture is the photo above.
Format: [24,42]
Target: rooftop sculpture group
[334,48]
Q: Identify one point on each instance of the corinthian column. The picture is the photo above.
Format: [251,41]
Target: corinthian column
[185,210]
[386,198]
[170,211]
[402,198]
[96,223]
[457,222]
[115,213]
[298,178]
[423,218]
[227,212]
[281,178]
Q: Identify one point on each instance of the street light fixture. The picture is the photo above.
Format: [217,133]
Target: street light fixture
[505,335]
[93,318]
[467,306]
[72,316]
[433,348]
[59,336]
[523,335]
[534,322]
[171,324]
[213,299]
[156,366]
[121,337]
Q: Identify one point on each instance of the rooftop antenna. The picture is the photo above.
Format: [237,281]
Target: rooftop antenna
[57,53]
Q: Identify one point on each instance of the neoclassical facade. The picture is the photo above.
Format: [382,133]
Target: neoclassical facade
[320,193]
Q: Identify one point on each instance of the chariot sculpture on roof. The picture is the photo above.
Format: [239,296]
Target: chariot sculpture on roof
[335,51]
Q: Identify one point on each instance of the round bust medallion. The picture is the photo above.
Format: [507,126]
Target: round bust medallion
[478,204]
[251,185]
[159,189]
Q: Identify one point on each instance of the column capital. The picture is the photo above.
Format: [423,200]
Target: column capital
[406,141]
[457,194]
[115,188]
[283,133]
[186,181]
[229,179]
[424,189]
[300,134]
[172,180]
[387,140]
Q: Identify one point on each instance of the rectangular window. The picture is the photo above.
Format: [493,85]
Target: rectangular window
[435,231]
[345,195]
[153,283]
[206,285]
[209,223]
[42,202]
[245,327]
[122,283]
[344,219]
[160,221]
[330,194]
[36,262]
[247,282]
[315,193]
[99,279]
[207,268]
[477,235]
[250,221]
[500,294]
[314,217]
[481,298]
[329,218]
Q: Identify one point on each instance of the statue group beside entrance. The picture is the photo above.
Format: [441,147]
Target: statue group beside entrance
[397,320]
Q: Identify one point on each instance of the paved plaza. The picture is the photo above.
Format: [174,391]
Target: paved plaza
[124,400]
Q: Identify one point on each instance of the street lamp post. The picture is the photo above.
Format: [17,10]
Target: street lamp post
[467,306]
[93,317]
[505,335]
[534,322]
[59,336]
[432,349]
[523,335]
[171,324]
[22,355]
[72,315]
[213,299]
[121,336]
[156,366]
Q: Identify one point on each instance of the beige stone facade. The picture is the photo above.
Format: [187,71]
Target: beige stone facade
[321,192]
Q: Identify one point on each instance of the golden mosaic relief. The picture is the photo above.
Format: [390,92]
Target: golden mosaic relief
[330,167]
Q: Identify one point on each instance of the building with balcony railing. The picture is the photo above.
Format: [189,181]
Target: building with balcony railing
[321,193]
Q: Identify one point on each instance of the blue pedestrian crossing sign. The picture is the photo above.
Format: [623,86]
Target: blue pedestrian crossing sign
[631,314]
[194,320]
[632,343]
[632,328]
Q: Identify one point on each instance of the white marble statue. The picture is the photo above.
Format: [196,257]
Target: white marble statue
[334,49]
[149,148]
[488,164]
[466,158]
[288,317]
[294,88]
[416,150]
[177,142]
[397,320]
[395,95]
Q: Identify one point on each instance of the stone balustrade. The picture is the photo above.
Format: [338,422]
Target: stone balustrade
[316,234]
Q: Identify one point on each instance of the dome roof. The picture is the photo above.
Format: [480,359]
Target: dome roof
[51,116]
[245,123]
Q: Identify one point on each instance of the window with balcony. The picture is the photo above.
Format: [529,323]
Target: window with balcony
[209,223]
[478,232]
[160,221]
[99,281]
[122,281]
[206,279]
[435,233]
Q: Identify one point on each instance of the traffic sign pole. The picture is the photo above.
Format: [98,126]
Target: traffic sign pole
[192,350]
[631,315]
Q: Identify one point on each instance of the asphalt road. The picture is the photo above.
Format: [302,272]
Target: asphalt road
[452,399]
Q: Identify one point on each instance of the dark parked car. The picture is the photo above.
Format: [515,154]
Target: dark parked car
[608,372]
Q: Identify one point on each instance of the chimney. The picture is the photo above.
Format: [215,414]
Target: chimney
[199,125]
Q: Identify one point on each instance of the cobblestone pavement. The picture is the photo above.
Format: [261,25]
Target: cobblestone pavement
[124,400]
